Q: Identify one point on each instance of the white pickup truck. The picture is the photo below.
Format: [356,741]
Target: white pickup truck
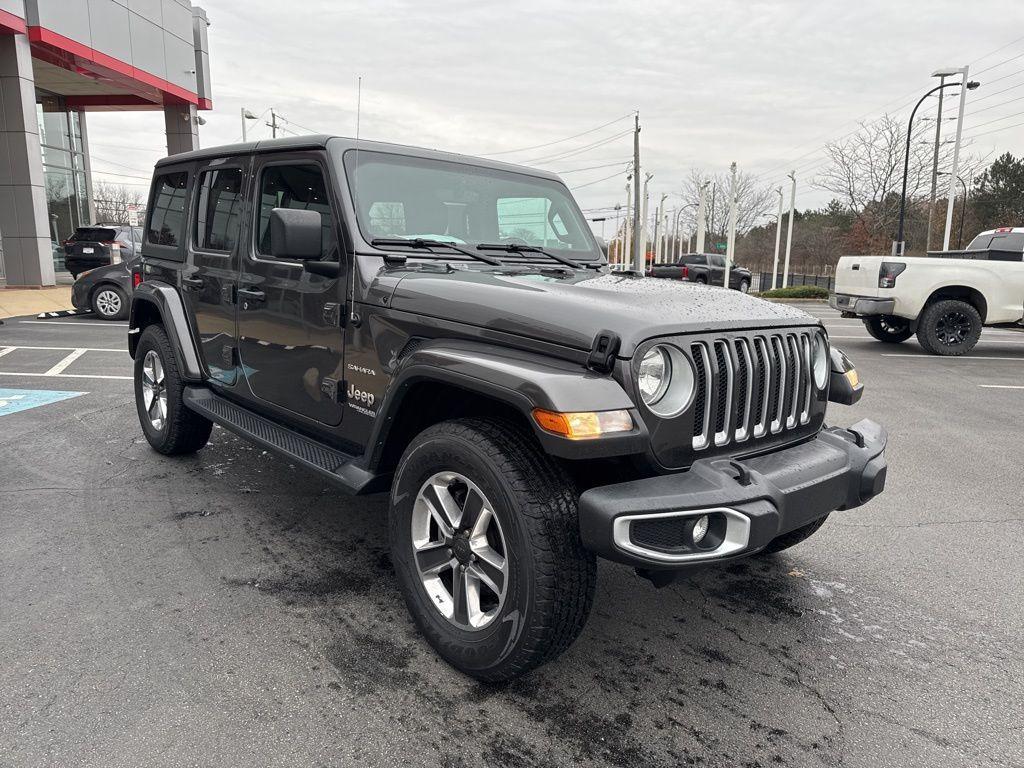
[945,297]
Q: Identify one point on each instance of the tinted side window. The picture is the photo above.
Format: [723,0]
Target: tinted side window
[294,186]
[717,261]
[218,208]
[167,217]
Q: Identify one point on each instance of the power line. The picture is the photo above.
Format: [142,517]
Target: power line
[993,106]
[998,64]
[997,93]
[559,141]
[994,130]
[597,181]
[997,50]
[586,148]
[594,167]
[996,120]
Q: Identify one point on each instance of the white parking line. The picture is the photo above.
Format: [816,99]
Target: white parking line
[71,325]
[65,362]
[66,375]
[942,358]
[980,341]
[7,349]
[1000,386]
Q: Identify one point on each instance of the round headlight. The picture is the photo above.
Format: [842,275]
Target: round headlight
[665,380]
[654,376]
[819,361]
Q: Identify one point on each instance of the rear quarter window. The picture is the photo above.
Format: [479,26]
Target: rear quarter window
[165,226]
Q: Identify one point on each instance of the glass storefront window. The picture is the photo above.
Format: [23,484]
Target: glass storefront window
[60,137]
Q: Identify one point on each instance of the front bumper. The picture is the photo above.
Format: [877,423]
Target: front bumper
[646,523]
[861,305]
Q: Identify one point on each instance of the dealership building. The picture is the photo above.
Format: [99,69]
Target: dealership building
[60,60]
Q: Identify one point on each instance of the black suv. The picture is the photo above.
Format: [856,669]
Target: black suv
[447,329]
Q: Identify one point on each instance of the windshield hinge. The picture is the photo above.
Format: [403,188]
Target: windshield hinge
[603,351]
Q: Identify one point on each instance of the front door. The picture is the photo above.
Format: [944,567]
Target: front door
[210,277]
[290,339]
[716,265]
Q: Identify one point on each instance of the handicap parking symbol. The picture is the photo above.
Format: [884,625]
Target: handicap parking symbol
[14,400]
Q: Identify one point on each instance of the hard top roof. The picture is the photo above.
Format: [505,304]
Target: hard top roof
[342,143]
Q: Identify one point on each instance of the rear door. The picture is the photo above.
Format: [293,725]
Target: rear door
[716,267]
[290,340]
[210,277]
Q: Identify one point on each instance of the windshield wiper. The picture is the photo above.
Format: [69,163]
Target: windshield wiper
[516,248]
[421,243]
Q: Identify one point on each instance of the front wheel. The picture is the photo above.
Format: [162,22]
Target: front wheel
[485,541]
[168,425]
[744,286]
[949,327]
[888,328]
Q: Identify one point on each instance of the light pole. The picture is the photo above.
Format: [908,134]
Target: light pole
[963,209]
[626,231]
[966,85]
[789,231]
[702,206]
[730,240]
[659,229]
[246,115]
[679,238]
[778,239]
[899,246]
[639,239]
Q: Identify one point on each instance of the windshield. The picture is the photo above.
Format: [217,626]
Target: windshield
[1001,241]
[397,196]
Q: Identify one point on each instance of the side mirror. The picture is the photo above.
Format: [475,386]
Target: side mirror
[844,386]
[295,234]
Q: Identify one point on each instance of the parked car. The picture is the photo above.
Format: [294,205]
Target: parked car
[401,329]
[707,268]
[99,245]
[945,298]
[107,290]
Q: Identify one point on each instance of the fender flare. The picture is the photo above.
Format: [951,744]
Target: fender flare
[158,295]
[522,380]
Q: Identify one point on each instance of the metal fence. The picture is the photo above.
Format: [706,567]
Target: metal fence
[763,281]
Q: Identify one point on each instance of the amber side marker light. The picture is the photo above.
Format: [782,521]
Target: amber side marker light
[585,425]
[852,377]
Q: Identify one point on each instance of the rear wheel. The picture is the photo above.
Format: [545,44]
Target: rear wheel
[702,280]
[486,547]
[949,327]
[169,426]
[109,302]
[888,328]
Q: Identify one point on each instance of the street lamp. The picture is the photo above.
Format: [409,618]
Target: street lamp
[963,209]
[899,245]
[246,115]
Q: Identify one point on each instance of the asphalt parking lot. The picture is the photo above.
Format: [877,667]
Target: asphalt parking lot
[229,609]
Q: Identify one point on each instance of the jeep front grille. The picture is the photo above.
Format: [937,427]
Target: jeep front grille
[750,386]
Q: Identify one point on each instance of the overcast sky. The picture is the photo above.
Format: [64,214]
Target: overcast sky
[764,83]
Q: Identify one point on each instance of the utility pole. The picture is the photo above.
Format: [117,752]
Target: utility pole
[956,159]
[789,233]
[273,123]
[638,257]
[730,241]
[778,238]
[659,230]
[627,229]
[702,206]
[639,238]
[935,168]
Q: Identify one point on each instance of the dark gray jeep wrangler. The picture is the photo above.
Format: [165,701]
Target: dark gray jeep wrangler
[446,329]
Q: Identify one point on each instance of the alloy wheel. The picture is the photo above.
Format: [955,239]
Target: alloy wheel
[953,328]
[460,550]
[154,391]
[108,303]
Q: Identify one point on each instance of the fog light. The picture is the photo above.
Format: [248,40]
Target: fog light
[700,529]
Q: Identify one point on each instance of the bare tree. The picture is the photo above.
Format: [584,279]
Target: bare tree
[865,170]
[754,202]
[112,201]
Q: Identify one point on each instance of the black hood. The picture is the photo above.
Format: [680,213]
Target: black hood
[570,309]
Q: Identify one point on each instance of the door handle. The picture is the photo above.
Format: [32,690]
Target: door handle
[248,296]
[195,283]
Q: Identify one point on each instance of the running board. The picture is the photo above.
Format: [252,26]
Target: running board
[326,461]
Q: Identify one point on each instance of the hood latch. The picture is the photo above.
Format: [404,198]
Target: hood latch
[603,351]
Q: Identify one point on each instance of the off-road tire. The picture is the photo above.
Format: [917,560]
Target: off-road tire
[551,577]
[888,328]
[97,304]
[794,537]
[942,311]
[183,431]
